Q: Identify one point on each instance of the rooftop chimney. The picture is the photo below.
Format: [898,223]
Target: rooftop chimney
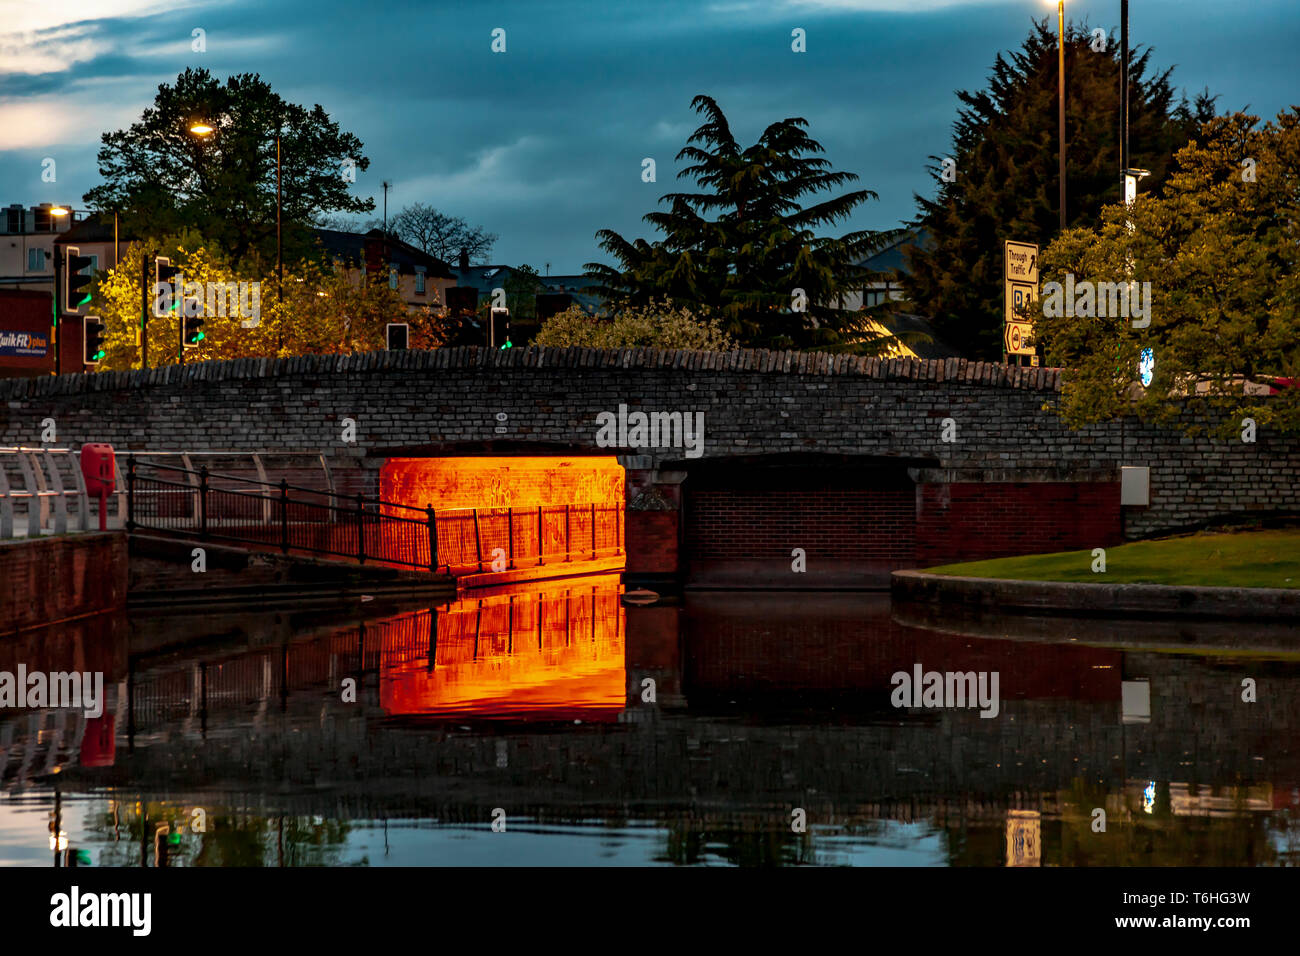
[464,260]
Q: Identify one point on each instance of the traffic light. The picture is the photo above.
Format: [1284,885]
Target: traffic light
[398,336]
[164,299]
[75,278]
[92,349]
[193,329]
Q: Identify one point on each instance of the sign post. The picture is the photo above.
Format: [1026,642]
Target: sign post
[1020,288]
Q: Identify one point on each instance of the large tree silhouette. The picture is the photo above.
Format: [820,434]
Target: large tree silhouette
[163,178]
[744,243]
[1006,187]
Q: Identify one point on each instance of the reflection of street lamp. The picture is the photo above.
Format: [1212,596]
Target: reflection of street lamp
[203,129]
[1060,69]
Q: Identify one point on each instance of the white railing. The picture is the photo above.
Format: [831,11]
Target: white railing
[42,490]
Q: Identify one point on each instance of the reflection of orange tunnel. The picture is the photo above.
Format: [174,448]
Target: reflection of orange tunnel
[552,653]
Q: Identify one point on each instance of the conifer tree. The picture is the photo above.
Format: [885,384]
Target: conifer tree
[745,245]
[1006,185]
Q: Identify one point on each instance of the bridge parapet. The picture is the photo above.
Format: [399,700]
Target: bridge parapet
[957,421]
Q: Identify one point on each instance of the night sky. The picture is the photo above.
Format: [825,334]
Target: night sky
[543,144]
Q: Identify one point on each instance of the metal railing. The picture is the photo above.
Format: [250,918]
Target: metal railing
[217,507]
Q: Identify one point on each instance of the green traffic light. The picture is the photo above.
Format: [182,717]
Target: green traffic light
[99,355]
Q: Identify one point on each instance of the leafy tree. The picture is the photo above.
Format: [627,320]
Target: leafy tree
[1006,186]
[322,310]
[745,243]
[521,285]
[656,325]
[1220,251]
[164,178]
[441,235]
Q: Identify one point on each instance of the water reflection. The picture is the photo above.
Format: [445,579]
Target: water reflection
[731,729]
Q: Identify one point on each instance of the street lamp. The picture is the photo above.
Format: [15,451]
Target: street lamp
[203,129]
[1060,70]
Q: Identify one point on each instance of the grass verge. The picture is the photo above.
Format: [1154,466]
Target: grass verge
[1244,559]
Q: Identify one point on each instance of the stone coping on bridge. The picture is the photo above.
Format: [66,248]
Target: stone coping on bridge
[758,361]
[1068,598]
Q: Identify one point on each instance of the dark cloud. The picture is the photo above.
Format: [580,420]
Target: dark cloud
[543,144]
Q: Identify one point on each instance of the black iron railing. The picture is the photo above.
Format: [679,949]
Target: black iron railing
[215,507]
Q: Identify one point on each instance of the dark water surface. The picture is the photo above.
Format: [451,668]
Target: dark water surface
[534,708]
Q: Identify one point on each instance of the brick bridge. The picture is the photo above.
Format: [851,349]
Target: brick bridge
[842,456]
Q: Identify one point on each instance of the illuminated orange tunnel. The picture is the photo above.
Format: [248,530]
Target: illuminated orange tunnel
[532,510]
[541,651]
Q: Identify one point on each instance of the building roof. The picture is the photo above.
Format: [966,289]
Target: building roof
[97,227]
[890,257]
[483,278]
[351,247]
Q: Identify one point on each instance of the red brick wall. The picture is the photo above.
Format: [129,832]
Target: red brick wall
[651,542]
[971,521]
[52,579]
[868,524]
[851,537]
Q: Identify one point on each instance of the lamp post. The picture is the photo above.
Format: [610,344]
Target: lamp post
[1123,72]
[1060,73]
[203,130]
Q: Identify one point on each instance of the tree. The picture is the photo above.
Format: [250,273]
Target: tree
[656,325]
[164,178]
[440,235]
[1005,162]
[745,245]
[521,285]
[1219,254]
[322,310]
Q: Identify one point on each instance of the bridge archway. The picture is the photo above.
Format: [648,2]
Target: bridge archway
[798,521]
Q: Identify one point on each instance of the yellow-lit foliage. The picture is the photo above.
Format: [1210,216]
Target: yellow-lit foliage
[321,310]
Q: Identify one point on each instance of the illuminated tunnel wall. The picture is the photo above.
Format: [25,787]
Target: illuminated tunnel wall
[501,482]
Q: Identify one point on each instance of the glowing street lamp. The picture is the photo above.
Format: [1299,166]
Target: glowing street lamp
[1060,70]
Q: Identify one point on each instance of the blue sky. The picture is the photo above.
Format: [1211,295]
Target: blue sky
[543,144]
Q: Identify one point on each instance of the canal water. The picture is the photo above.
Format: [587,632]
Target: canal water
[551,725]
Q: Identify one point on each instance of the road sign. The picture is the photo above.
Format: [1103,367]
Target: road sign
[1014,338]
[1017,331]
[1021,262]
[1020,288]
